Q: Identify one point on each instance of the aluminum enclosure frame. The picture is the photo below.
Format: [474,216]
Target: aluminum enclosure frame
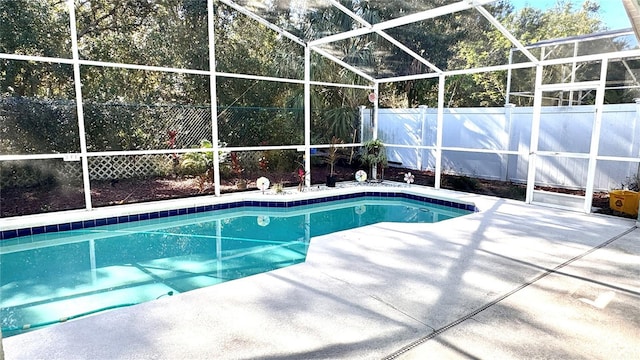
[309,47]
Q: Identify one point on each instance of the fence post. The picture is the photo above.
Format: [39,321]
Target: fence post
[508,113]
[423,131]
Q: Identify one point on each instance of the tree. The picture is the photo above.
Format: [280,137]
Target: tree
[40,28]
[169,33]
[490,47]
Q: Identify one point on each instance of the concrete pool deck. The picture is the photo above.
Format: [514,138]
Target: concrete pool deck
[512,281]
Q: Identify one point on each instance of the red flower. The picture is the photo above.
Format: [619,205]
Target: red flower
[172,138]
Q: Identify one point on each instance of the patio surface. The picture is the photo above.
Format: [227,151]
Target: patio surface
[513,281]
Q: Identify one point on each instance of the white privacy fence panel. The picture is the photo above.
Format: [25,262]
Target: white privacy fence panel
[410,135]
[476,128]
[407,127]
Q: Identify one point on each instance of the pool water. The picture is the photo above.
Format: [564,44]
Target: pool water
[50,276]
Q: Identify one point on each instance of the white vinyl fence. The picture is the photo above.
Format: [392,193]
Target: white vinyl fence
[494,143]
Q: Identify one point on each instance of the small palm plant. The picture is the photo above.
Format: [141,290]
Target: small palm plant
[331,158]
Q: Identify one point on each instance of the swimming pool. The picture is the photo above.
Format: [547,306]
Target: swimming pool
[64,274]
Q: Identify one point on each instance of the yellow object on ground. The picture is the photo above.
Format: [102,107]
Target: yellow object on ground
[625,201]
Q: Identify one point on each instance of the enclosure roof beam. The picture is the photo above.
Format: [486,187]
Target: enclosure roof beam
[404,20]
[581,38]
[410,52]
[388,37]
[351,86]
[594,57]
[350,13]
[343,64]
[259,78]
[583,58]
[625,64]
[267,23]
[571,86]
[629,71]
[507,34]
[457,72]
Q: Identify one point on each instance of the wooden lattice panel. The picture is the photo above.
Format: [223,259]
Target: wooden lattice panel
[125,167]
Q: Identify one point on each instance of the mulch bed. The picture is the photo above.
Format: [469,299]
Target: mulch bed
[48,198]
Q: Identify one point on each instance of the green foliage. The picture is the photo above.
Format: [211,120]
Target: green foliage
[119,126]
[373,154]
[251,126]
[41,28]
[199,164]
[469,41]
[26,174]
[529,25]
[35,126]
[333,154]
[281,161]
[175,33]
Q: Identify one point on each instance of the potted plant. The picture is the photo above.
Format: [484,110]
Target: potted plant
[330,158]
[374,154]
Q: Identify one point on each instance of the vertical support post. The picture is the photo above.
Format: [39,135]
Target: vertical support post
[423,133]
[535,134]
[595,137]
[214,99]
[362,109]
[79,105]
[508,114]
[509,72]
[635,135]
[439,130]
[376,111]
[307,115]
[374,128]
[634,148]
[574,67]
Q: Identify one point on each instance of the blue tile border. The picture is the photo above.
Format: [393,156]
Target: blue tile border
[10,234]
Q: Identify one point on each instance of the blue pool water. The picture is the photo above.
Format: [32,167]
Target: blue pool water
[50,276]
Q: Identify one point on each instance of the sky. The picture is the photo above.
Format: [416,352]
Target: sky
[611,11]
